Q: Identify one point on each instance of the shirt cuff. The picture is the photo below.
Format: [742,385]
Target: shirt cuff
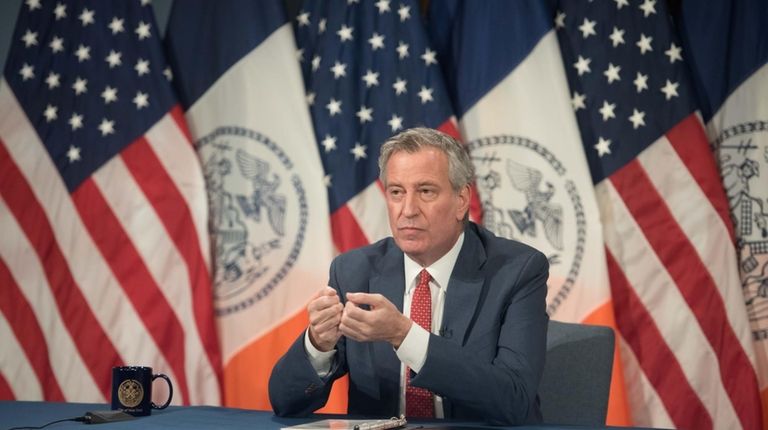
[413,349]
[321,361]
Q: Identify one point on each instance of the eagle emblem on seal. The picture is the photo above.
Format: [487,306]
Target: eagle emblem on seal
[539,206]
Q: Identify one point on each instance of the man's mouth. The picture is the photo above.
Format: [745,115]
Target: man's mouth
[410,230]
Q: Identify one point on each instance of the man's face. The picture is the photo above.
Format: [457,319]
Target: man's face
[425,213]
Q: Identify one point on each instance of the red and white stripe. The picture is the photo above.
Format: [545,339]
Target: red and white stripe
[675,286]
[642,392]
[362,220]
[24,304]
[112,274]
[19,373]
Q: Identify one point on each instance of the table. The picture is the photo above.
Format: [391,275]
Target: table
[15,414]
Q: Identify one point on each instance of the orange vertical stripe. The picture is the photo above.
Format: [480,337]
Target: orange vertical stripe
[246,375]
[618,407]
[764,397]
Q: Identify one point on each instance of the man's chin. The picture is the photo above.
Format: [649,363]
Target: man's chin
[410,245]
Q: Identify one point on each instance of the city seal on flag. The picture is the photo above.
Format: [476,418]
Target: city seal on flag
[258,215]
[743,153]
[533,202]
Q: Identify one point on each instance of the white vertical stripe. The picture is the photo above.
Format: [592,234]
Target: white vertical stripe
[663,301]
[15,368]
[370,209]
[533,102]
[704,229]
[748,104]
[74,378]
[100,289]
[167,267]
[263,92]
[183,166]
[640,391]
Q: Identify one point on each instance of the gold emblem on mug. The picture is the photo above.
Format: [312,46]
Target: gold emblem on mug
[130,393]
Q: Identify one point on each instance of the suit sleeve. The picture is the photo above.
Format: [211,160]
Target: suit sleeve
[502,390]
[294,387]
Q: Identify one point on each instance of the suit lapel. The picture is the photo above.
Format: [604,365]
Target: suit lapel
[389,282]
[464,291]
[464,287]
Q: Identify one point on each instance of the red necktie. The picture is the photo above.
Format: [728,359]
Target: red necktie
[418,401]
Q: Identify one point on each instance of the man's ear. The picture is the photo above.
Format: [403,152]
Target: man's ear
[464,195]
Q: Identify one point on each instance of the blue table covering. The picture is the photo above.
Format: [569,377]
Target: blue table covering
[35,414]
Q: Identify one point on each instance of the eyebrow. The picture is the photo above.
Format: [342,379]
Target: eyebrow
[419,184]
[427,183]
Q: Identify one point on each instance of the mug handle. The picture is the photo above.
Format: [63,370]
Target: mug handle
[170,391]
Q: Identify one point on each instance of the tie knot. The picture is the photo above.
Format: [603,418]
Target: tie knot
[424,277]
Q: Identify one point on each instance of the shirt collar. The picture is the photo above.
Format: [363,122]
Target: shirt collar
[440,270]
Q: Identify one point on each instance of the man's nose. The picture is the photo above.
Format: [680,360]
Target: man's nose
[411,205]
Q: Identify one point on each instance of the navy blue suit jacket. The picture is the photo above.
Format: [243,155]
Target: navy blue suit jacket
[486,361]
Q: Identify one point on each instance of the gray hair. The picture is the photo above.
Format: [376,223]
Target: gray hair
[460,168]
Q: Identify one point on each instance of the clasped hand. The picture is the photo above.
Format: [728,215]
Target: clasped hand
[329,319]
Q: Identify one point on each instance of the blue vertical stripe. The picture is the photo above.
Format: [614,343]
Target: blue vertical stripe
[480,42]
[211,36]
[725,42]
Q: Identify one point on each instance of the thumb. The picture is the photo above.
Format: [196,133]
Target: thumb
[365,298]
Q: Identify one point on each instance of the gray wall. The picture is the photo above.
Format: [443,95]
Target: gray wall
[9,10]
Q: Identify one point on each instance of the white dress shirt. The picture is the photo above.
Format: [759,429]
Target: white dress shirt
[413,350]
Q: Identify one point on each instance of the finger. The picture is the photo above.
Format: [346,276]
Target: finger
[328,291]
[325,291]
[358,321]
[351,331]
[329,323]
[324,323]
[366,299]
[321,315]
[354,312]
[329,326]
[328,336]
[326,302]
[323,302]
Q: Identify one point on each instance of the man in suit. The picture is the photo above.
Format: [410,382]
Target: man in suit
[442,320]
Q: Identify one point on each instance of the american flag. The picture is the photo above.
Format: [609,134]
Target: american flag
[102,211]
[369,73]
[687,350]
